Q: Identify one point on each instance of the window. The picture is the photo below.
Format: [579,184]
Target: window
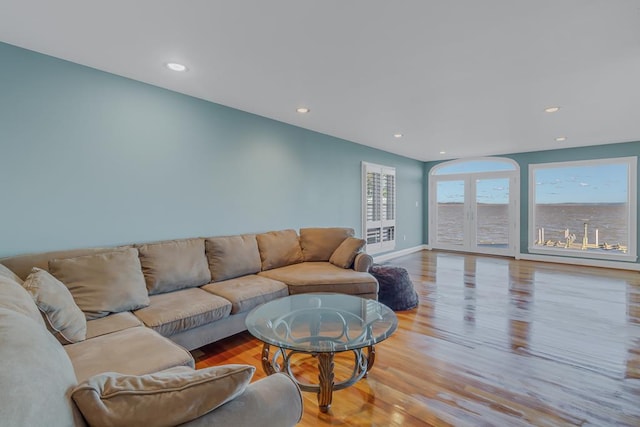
[473,206]
[379,207]
[584,208]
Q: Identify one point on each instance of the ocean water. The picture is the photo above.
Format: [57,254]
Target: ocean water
[609,219]
[492,223]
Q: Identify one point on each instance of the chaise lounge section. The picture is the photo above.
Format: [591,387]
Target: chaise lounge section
[46,383]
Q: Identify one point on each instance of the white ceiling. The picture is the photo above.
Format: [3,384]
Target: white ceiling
[465,76]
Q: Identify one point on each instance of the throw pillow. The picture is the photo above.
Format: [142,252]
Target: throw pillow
[108,282]
[63,317]
[279,249]
[344,255]
[167,398]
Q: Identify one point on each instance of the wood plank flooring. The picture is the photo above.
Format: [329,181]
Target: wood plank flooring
[494,342]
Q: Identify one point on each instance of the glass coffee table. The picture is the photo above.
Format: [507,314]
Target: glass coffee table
[321,325]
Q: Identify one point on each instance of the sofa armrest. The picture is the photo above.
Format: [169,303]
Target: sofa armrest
[363,262]
[274,401]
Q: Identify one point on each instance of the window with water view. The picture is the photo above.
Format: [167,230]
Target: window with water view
[473,205]
[584,208]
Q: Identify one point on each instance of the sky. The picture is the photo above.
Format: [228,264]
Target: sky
[488,191]
[605,183]
[495,191]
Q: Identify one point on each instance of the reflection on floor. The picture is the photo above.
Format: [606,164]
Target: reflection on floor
[494,341]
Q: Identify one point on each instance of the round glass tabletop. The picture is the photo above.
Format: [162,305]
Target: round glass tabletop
[322,322]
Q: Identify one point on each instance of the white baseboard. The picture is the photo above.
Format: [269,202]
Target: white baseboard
[581,261]
[526,257]
[395,254]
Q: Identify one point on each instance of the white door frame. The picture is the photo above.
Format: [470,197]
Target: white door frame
[469,243]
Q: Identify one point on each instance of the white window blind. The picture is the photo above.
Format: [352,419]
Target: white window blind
[379,207]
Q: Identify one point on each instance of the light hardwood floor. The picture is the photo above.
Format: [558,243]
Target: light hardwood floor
[494,341]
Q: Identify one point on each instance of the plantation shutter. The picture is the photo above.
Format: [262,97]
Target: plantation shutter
[379,207]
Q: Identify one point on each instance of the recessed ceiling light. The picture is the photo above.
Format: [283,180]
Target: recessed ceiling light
[561,138]
[397,135]
[443,152]
[551,109]
[303,110]
[174,66]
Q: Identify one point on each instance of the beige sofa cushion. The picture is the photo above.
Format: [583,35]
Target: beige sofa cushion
[344,255]
[15,298]
[247,292]
[63,317]
[103,283]
[36,376]
[22,264]
[112,323]
[166,398]
[185,309]
[232,256]
[323,277]
[279,248]
[319,243]
[6,273]
[132,351]
[176,264]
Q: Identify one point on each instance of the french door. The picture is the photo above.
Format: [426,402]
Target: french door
[475,212]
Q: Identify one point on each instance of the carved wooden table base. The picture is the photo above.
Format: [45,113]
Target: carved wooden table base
[363,362]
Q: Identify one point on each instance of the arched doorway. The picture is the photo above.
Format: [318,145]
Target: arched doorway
[474,206]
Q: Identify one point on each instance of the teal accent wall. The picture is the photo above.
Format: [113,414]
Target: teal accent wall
[627,149]
[88,158]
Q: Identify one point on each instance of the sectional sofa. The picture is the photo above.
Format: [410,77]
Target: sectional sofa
[80,325]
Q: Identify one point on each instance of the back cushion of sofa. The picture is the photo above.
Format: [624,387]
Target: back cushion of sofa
[22,264]
[103,283]
[36,377]
[172,265]
[15,298]
[279,249]
[232,256]
[8,274]
[319,243]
